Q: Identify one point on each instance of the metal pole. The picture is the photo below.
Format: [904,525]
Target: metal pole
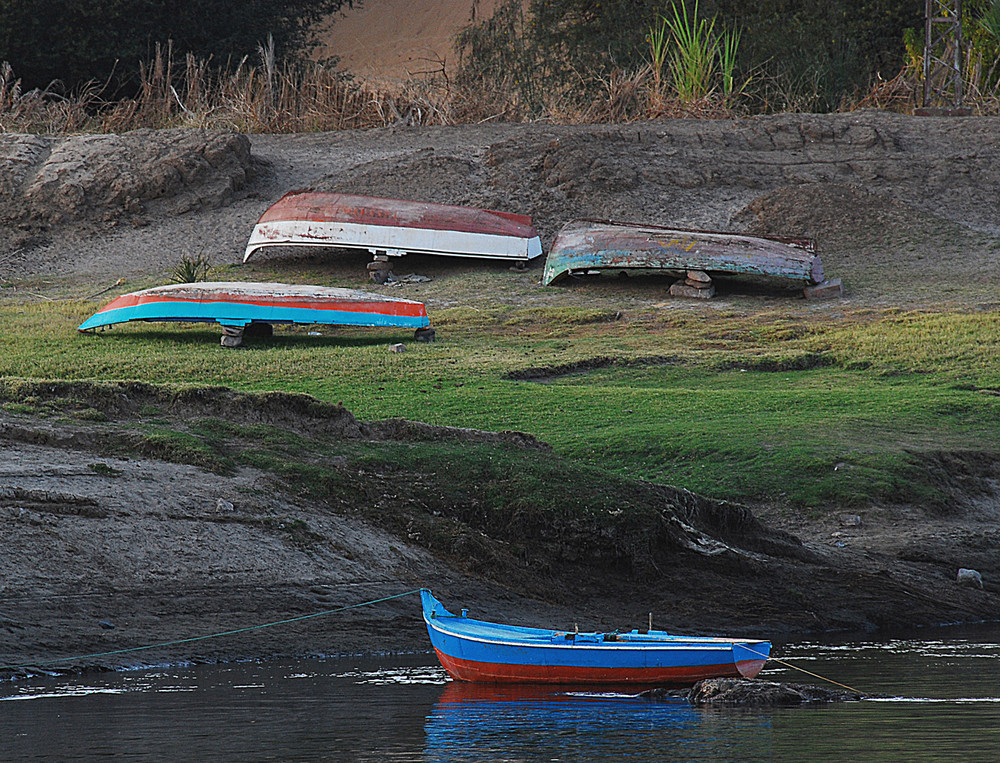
[943,57]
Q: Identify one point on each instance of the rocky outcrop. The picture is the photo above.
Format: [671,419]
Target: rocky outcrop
[53,180]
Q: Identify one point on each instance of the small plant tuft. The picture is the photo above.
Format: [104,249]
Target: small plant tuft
[191,269]
[104,470]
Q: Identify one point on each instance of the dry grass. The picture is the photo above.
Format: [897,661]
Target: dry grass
[273,97]
[268,96]
[39,111]
[265,97]
[902,93]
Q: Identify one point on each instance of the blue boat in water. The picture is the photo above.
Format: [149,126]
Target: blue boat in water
[474,650]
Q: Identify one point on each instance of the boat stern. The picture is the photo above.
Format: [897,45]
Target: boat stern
[750,657]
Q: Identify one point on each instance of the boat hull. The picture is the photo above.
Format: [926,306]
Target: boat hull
[239,304]
[473,650]
[583,246]
[394,227]
[659,675]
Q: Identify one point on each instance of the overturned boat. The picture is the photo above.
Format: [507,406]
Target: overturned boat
[474,650]
[393,227]
[590,246]
[256,306]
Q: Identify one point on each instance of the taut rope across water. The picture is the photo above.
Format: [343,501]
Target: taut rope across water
[802,670]
[249,628]
[206,636]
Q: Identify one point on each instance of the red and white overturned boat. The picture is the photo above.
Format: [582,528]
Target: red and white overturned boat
[393,227]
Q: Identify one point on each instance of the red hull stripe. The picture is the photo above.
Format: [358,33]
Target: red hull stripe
[413,309]
[686,675]
[370,210]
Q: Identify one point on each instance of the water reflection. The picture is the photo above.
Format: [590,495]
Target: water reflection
[942,703]
[472,722]
[941,698]
[959,664]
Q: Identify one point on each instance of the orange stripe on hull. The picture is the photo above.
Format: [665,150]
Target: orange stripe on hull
[412,309]
[686,675]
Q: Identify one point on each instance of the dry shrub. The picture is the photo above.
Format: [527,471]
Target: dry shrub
[626,97]
[903,93]
[39,111]
[900,94]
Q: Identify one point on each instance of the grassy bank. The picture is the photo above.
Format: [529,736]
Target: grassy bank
[815,409]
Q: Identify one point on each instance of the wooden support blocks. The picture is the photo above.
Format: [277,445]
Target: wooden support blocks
[826,290]
[697,285]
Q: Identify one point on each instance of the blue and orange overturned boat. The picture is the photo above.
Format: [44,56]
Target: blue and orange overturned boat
[473,650]
[238,305]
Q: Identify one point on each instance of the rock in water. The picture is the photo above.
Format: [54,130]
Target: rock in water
[731,691]
[735,691]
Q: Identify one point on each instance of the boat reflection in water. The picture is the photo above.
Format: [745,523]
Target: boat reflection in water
[533,722]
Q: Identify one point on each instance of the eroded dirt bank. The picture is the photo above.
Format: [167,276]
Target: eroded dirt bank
[111,541]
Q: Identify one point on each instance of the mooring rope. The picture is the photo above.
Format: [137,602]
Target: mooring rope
[287,621]
[206,636]
[801,670]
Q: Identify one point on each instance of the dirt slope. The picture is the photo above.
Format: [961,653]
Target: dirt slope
[108,546]
[902,208]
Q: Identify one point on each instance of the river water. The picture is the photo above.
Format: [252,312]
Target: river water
[941,703]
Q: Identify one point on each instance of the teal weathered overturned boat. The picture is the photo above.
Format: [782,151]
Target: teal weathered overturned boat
[589,246]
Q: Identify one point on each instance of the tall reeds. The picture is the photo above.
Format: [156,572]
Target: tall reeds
[265,96]
[40,111]
[697,62]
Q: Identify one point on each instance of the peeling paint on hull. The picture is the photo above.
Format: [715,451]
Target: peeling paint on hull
[394,227]
[239,304]
[584,245]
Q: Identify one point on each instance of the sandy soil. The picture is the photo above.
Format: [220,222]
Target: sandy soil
[392,41]
[904,211]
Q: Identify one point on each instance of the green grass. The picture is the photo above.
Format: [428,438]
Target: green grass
[816,410]
[104,470]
